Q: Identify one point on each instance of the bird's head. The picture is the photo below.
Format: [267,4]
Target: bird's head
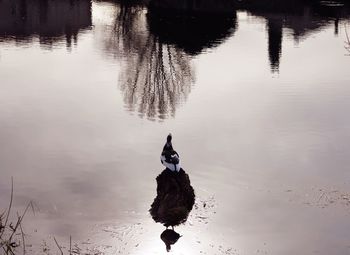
[169,137]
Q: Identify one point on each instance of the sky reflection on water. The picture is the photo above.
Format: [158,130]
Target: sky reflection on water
[258,113]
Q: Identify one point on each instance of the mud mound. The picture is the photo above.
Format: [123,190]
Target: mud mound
[175,198]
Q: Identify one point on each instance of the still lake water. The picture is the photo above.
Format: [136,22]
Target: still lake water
[257,104]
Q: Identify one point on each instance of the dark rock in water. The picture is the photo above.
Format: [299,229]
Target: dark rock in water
[169,237]
[175,198]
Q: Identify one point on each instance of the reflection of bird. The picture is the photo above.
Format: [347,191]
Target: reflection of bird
[169,157]
[175,198]
[169,237]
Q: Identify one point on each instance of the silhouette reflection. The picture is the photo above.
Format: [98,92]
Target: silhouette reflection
[156,80]
[274,28]
[157,75]
[173,203]
[50,21]
[300,17]
[169,237]
[196,29]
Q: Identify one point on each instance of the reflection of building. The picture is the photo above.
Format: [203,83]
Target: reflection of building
[50,20]
[300,17]
[156,51]
[274,28]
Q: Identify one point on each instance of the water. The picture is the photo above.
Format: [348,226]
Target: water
[256,100]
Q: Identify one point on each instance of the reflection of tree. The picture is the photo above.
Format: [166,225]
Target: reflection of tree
[156,80]
[156,49]
[193,32]
[155,77]
[124,38]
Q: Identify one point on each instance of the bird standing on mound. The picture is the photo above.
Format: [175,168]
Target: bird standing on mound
[175,195]
[169,157]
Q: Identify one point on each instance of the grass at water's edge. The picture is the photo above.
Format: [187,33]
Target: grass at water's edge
[347,41]
[12,237]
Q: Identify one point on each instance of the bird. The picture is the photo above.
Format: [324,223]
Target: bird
[175,195]
[169,157]
[168,145]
